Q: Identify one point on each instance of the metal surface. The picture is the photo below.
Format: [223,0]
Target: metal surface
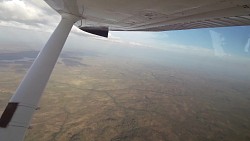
[31,88]
[8,114]
[100,31]
[131,15]
[157,15]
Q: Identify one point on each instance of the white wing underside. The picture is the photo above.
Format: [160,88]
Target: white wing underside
[156,15]
[114,15]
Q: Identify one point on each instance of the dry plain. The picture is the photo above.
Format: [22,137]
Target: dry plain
[97,97]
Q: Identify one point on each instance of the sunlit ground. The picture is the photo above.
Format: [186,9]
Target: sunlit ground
[112,92]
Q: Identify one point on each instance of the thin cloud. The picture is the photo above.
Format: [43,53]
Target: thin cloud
[246,49]
[218,43]
[27,14]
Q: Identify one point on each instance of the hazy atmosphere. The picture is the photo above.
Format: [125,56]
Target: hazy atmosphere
[173,85]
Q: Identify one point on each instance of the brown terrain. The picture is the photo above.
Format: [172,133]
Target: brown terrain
[102,98]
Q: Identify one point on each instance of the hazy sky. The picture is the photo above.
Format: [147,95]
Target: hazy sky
[38,19]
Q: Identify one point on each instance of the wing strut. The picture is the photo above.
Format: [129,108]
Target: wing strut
[18,113]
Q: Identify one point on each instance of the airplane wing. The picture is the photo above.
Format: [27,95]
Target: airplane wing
[157,15]
[100,16]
